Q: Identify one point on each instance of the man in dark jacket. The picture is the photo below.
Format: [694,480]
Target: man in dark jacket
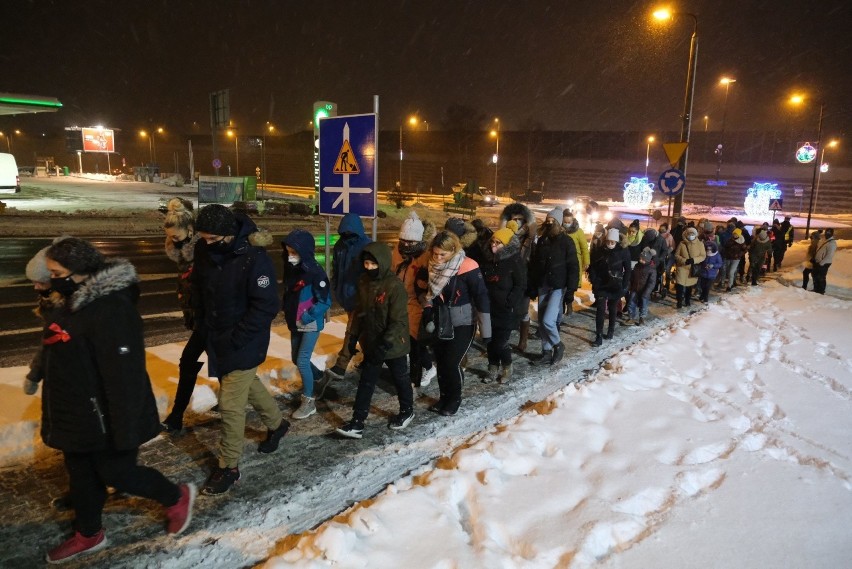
[97,404]
[234,281]
[552,266]
[380,325]
[518,217]
[345,270]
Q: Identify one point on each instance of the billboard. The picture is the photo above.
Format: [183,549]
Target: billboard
[98,140]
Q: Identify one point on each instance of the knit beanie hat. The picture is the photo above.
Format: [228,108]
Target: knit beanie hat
[690,231]
[512,225]
[556,213]
[737,232]
[708,226]
[613,235]
[78,256]
[37,268]
[216,219]
[503,235]
[647,254]
[455,225]
[651,233]
[412,228]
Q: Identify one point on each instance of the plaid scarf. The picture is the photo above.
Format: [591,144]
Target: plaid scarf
[441,273]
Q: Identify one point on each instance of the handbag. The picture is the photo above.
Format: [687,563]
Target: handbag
[446,330]
[694,269]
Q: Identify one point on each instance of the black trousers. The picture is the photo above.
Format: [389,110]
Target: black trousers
[367,385]
[419,358]
[806,277]
[820,274]
[499,351]
[448,357]
[604,305]
[91,472]
[683,294]
[189,367]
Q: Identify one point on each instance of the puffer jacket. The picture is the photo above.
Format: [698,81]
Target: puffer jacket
[733,250]
[688,250]
[406,269]
[345,264]
[506,280]
[526,234]
[609,271]
[380,319]
[463,293]
[306,291]
[97,395]
[184,257]
[760,246]
[825,251]
[712,264]
[236,289]
[643,278]
[553,262]
[581,245]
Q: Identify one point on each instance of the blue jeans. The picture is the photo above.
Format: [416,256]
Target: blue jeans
[637,305]
[549,311]
[731,266]
[301,348]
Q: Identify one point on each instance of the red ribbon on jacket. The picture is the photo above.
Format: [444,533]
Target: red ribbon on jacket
[59,335]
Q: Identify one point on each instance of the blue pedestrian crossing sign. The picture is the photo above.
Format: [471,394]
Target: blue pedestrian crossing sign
[672,182]
[347,165]
[776,204]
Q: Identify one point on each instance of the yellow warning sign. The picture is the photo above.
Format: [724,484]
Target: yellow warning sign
[346,162]
[674,150]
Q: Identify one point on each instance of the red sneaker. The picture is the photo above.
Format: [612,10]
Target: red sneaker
[76,546]
[181,513]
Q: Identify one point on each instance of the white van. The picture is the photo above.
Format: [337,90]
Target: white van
[10,183]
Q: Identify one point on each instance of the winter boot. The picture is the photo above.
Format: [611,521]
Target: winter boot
[545,359]
[505,374]
[306,409]
[598,340]
[493,372]
[558,352]
[610,332]
[524,336]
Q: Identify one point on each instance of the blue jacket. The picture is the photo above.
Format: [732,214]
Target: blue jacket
[712,264]
[306,287]
[237,289]
[346,267]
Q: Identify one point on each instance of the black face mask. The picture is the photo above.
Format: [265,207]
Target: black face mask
[372,273]
[64,285]
[219,246]
[44,293]
[181,243]
[411,249]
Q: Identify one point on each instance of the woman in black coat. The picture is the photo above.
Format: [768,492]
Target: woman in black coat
[506,280]
[97,403]
[609,273]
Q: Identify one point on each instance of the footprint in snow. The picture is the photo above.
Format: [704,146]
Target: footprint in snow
[692,483]
[708,453]
[647,501]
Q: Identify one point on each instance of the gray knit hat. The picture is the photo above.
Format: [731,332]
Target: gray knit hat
[37,268]
[556,213]
[216,219]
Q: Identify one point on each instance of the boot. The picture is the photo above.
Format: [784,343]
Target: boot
[505,374]
[493,373]
[598,340]
[545,359]
[558,352]
[306,409]
[609,333]
[524,336]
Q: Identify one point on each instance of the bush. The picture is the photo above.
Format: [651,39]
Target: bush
[298,208]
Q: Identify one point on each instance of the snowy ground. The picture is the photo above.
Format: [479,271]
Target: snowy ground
[720,441]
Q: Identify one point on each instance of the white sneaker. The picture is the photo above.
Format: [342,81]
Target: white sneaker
[428,376]
[306,409]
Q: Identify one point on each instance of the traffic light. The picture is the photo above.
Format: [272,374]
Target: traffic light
[323,109]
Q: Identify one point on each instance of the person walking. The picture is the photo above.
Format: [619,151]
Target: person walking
[453,293]
[757,252]
[553,265]
[181,240]
[642,279]
[306,300]
[713,263]
[609,273]
[346,268]
[779,244]
[380,325]
[571,226]
[732,254]
[97,404]
[689,253]
[520,219]
[234,288]
[506,280]
[809,257]
[408,257]
[823,258]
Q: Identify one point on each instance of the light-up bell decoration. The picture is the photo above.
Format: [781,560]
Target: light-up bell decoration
[638,192]
[806,153]
[758,198]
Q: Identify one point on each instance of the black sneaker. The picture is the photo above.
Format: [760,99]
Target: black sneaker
[221,481]
[273,437]
[170,429]
[558,352]
[353,429]
[401,420]
[337,372]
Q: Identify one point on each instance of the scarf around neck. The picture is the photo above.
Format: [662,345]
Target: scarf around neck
[441,273]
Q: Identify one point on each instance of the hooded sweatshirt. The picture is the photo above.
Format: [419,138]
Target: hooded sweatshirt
[345,264]
[306,288]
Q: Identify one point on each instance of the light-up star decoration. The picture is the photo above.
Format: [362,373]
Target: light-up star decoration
[806,153]
[758,198]
[638,192]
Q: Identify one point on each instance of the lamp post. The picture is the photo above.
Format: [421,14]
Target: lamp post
[726,81]
[796,100]
[648,154]
[233,134]
[496,134]
[832,144]
[8,141]
[706,122]
[144,134]
[686,125]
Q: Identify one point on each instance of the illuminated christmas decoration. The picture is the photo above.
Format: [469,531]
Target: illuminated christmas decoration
[806,153]
[823,167]
[758,197]
[638,192]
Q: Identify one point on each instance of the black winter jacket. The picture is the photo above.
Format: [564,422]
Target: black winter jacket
[97,395]
[506,280]
[238,290]
[609,272]
[553,262]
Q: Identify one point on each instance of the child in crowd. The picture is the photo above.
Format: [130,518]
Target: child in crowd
[642,281]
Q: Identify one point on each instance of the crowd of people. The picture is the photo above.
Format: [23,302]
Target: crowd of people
[415,308]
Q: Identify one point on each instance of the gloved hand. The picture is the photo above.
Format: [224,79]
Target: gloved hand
[188,320]
[30,386]
[376,356]
[690,261]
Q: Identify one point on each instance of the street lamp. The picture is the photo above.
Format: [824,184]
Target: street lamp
[798,100]
[832,144]
[686,126]
[726,81]
[496,134]
[648,154]
[144,134]
[8,141]
[412,121]
[706,122]
[232,134]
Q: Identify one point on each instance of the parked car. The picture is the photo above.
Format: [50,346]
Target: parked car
[10,181]
[480,196]
[530,195]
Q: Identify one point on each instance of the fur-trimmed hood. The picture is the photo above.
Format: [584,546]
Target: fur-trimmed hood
[518,208]
[117,275]
[184,255]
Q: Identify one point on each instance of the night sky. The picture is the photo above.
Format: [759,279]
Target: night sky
[561,64]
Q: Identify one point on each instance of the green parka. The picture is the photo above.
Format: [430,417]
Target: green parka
[381,308]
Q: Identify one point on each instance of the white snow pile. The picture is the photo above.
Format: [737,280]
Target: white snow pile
[723,442]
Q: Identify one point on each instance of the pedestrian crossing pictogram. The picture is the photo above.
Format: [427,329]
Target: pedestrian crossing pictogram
[346,162]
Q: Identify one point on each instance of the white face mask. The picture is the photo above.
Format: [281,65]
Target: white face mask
[690,237]
[293,259]
[610,245]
